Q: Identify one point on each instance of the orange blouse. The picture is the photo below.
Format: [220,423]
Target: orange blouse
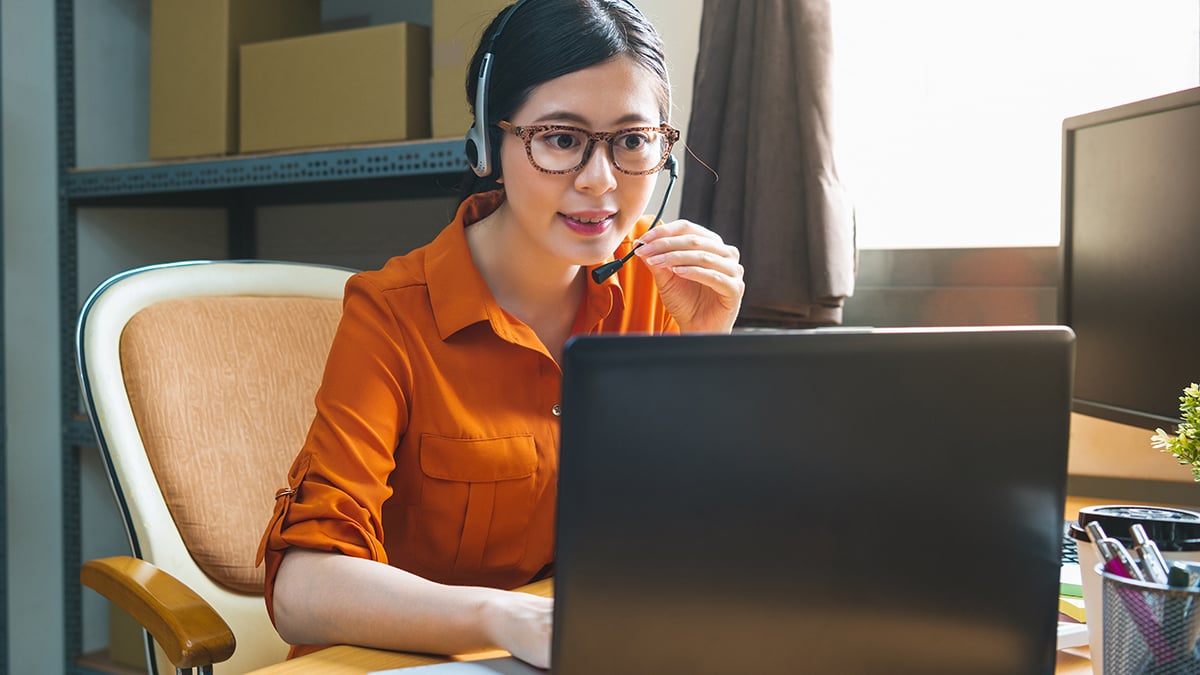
[435,442]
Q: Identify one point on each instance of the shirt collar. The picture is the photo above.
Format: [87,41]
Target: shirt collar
[457,292]
[608,297]
[602,299]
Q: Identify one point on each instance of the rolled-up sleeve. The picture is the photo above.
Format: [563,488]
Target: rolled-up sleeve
[339,481]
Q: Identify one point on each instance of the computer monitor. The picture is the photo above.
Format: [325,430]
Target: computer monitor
[1131,257]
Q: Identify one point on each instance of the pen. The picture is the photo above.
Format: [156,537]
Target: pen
[1187,566]
[1178,606]
[1152,558]
[1113,550]
[1097,535]
[1178,576]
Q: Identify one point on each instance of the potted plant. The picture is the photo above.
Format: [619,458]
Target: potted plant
[1185,445]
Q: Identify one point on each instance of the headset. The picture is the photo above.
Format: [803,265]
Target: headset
[479,150]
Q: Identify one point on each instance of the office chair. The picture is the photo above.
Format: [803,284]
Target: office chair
[199,379]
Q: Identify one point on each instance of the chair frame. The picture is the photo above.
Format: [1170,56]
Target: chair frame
[102,319]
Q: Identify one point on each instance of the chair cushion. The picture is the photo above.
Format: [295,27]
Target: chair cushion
[222,391]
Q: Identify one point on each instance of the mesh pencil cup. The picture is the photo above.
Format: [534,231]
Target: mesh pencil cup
[1176,531]
[1149,629]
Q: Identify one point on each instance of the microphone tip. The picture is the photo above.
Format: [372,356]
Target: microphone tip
[602,272]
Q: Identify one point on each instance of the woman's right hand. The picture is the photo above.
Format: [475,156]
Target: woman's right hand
[521,623]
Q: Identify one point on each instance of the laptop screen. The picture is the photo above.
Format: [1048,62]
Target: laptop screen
[812,501]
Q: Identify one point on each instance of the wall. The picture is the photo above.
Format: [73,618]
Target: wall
[679,25]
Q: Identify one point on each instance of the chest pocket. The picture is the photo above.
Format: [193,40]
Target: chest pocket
[477,496]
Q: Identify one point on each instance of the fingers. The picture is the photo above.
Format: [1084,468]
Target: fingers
[724,262]
[677,228]
[691,251]
[699,276]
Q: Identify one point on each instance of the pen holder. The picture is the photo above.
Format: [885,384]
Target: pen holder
[1176,531]
[1149,629]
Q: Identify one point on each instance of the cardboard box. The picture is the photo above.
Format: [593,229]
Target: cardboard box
[457,26]
[355,86]
[194,67]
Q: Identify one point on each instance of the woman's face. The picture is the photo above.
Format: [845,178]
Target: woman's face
[581,217]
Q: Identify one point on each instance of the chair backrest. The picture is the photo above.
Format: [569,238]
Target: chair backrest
[199,378]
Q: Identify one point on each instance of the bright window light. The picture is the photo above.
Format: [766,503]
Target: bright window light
[949,114]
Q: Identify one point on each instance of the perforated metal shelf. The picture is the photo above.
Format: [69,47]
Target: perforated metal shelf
[356,163]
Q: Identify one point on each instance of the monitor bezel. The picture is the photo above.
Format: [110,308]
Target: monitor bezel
[1186,98]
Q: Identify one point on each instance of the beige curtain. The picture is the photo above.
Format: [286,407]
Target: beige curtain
[761,119]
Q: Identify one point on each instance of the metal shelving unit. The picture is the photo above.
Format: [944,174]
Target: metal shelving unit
[386,167]
[3,443]
[239,184]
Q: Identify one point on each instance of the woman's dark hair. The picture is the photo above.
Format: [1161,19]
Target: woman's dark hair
[546,39]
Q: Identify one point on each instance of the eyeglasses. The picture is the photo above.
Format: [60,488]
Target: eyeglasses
[559,149]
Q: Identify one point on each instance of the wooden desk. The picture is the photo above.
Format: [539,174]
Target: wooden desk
[343,660]
[346,660]
[1072,662]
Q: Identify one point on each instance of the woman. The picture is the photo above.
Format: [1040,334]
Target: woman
[427,483]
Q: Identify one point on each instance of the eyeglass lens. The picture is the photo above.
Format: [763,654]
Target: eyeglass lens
[633,151]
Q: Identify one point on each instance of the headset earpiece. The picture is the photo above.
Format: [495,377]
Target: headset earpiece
[472,153]
[479,149]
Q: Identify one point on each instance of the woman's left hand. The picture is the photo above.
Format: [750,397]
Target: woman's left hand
[698,275]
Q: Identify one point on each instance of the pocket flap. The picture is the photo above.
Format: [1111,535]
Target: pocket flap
[478,460]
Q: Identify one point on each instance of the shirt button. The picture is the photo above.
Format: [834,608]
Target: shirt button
[557,410]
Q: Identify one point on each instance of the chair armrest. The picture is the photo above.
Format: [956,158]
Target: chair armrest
[187,628]
[542,587]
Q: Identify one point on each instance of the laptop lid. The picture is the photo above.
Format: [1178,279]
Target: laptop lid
[812,502]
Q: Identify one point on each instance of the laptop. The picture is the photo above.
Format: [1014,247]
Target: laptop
[824,501]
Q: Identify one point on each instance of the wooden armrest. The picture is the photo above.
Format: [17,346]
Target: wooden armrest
[187,628]
[543,587]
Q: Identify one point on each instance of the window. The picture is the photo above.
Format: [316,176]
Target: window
[949,114]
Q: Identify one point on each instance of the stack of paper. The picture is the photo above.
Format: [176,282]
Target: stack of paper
[1072,627]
